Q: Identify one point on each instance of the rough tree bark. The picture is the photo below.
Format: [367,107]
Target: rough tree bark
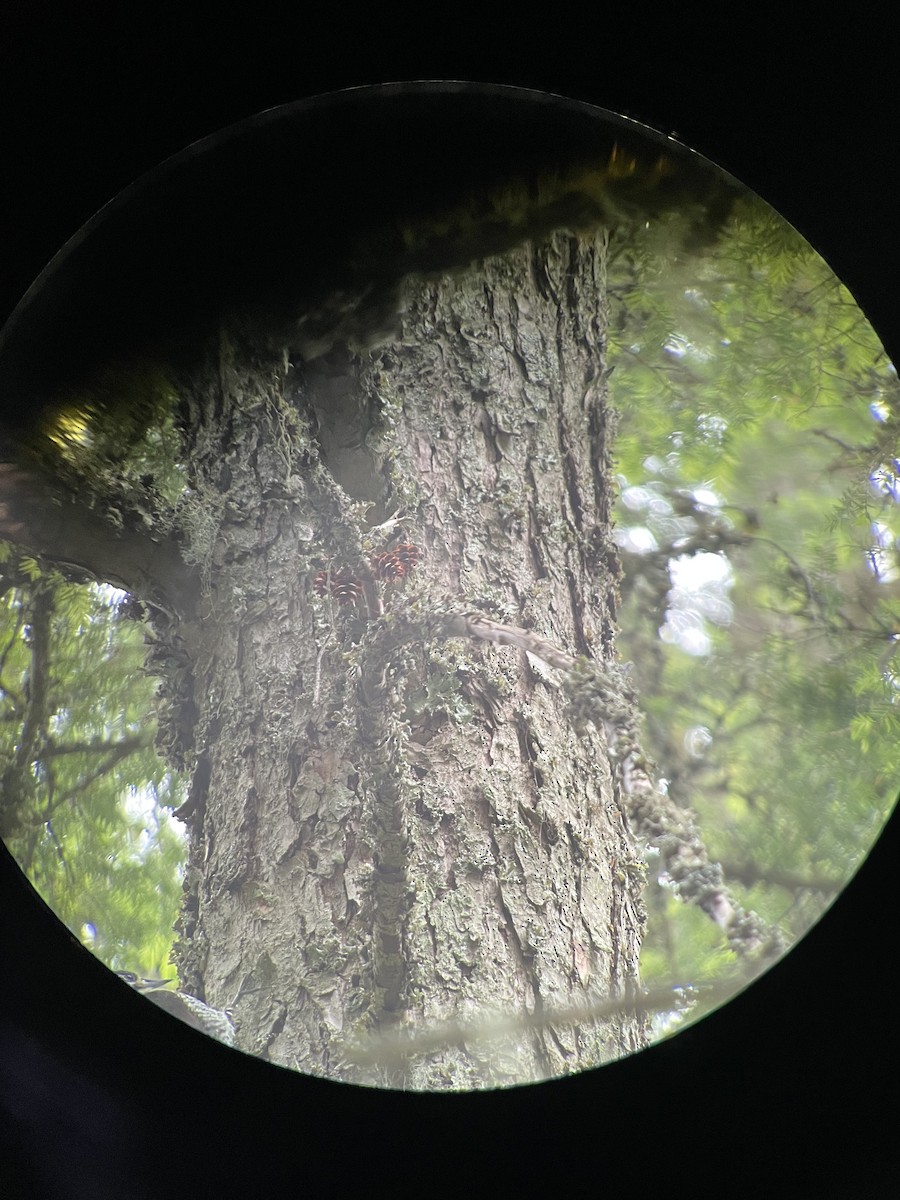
[388,833]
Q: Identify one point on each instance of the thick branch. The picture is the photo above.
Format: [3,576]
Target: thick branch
[52,524]
[393,1048]
[117,752]
[750,873]
[126,745]
[17,781]
[34,727]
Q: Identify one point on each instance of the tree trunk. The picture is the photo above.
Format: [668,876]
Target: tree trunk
[391,833]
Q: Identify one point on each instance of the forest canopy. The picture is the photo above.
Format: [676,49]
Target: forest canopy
[758,526]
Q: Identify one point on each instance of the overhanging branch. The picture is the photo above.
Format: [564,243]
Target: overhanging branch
[47,521]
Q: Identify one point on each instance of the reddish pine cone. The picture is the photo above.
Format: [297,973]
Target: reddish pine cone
[346,588]
[394,564]
[408,553]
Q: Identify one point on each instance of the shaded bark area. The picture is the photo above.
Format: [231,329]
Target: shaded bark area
[45,518]
[389,836]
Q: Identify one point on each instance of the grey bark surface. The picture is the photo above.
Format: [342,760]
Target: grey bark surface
[388,836]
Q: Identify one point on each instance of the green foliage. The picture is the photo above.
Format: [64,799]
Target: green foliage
[86,802]
[758,524]
[86,799]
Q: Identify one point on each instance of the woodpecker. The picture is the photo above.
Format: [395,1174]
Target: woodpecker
[213,1021]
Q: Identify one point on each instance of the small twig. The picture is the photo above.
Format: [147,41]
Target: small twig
[475,625]
[317,683]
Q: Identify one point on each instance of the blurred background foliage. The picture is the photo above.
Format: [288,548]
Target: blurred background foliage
[86,802]
[758,529]
[758,525]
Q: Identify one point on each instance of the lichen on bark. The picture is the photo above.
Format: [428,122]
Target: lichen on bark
[392,834]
